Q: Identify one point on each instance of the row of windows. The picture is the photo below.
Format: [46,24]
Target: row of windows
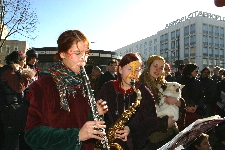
[213,30]
[7,49]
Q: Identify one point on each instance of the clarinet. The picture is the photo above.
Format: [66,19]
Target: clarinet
[88,92]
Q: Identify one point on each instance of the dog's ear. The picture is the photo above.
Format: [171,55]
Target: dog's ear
[181,86]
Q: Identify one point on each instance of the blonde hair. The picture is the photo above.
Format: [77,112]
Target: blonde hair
[151,82]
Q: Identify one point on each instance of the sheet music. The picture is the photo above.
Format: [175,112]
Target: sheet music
[191,132]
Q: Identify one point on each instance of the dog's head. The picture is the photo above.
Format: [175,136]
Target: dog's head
[172,89]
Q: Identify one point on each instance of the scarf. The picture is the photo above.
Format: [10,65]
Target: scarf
[67,82]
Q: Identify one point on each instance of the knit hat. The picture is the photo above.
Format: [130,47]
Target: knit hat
[154,57]
[189,68]
[32,53]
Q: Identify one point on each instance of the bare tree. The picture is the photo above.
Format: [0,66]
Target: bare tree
[18,17]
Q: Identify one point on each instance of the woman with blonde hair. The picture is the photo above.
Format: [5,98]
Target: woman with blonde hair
[152,76]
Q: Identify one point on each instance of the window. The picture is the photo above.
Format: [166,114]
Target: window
[210,62]
[172,35]
[210,52]
[140,46]
[145,44]
[155,48]
[211,30]
[166,55]
[166,46]
[192,29]
[205,29]
[205,40]
[205,61]
[205,51]
[150,49]
[211,41]
[155,41]
[193,40]
[166,37]
[7,50]
[186,31]
[192,60]
[150,43]
[216,42]
[221,63]
[221,53]
[186,41]
[173,54]
[173,45]
[192,51]
[136,47]
[161,39]
[177,33]
[177,43]
[216,31]
[221,32]
[15,48]
[161,47]
[221,43]
[186,52]
[216,52]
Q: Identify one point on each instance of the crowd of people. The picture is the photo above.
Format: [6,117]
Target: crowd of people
[55,112]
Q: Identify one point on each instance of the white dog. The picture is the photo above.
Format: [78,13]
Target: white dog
[173,89]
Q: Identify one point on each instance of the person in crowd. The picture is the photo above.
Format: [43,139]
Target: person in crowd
[191,115]
[221,72]
[152,76]
[168,76]
[220,98]
[13,81]
[220,135]
[31,61]
[208,86]
[120,96]
[179,73]
[216,76]
[59,115]
[95,74]
[192,91]
[110,74]
[201,143]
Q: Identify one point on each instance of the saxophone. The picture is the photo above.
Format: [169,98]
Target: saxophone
[88,92]
[122,120]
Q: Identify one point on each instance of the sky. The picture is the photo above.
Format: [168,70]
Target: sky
[110,24]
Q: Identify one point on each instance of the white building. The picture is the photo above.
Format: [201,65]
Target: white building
[201,41]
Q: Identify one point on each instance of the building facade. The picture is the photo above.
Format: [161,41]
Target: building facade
[10,46]
[196,38]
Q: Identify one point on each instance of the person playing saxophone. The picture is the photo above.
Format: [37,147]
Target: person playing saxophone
[120,96]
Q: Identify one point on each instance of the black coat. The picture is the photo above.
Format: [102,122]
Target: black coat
[192,91]
[107,76]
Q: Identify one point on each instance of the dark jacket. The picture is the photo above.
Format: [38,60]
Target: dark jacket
[107,76]
[209,88]
[192,91]
[170,78]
